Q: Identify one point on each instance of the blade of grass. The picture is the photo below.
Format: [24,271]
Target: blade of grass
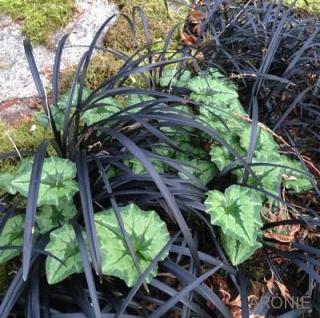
[56,70]
[87,270]
[31,208]
[183,292]
[87,210]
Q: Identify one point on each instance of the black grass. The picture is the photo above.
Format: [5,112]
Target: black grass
[272,51]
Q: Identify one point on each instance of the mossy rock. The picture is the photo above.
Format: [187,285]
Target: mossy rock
[39,18]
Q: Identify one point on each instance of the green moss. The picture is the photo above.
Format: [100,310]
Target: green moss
[39,18]
[153,8]
[119,36]
[25,136]
[101,67]
[310,6]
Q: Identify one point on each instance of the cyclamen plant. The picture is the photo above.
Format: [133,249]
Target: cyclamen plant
[128,163]
[237,211]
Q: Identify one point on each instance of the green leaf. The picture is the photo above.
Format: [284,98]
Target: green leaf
[269,176]
[12,235]
[96,114]
[163,149]
[191,146]
[265,143]
[137,167]
[221,104]
[204,170]
[148,235]
[57,182]
[5,182]
[207,83]
[169,76]
[25,165]
[49,217]
[133,99]
[58,110]
[63,245]
[237,251]
[221,156]
[191,161]
[237,212]
[295,180]
[194,158]
[64,98]
[225,121]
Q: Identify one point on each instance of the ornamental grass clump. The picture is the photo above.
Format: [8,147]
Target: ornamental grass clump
[272,51]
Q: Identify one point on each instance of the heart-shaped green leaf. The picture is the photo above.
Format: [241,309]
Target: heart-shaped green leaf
[58,110]
[93,115]
[296,178]
[221,156]
[148,235]
[204,170]
[236,211]
[169,76]
[57,180]
[237,251]
[12,235]
[133,99]
[265,143]
[207,83]
[49,217]
[269,176]
[5,182]
[67,260]
[137,167]
[147,232]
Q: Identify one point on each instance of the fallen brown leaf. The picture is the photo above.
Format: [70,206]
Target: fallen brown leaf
[196,29]
[187,39]
[270,283]
[235,307]
[195,17]
[220,284]
[283,290]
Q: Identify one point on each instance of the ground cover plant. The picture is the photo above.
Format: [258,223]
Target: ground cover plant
[151,199]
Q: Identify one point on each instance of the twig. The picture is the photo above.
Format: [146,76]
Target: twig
[14,144]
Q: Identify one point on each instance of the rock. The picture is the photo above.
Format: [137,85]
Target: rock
[15,77]
[16,110]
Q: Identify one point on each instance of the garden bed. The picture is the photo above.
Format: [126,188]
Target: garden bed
[181,181]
